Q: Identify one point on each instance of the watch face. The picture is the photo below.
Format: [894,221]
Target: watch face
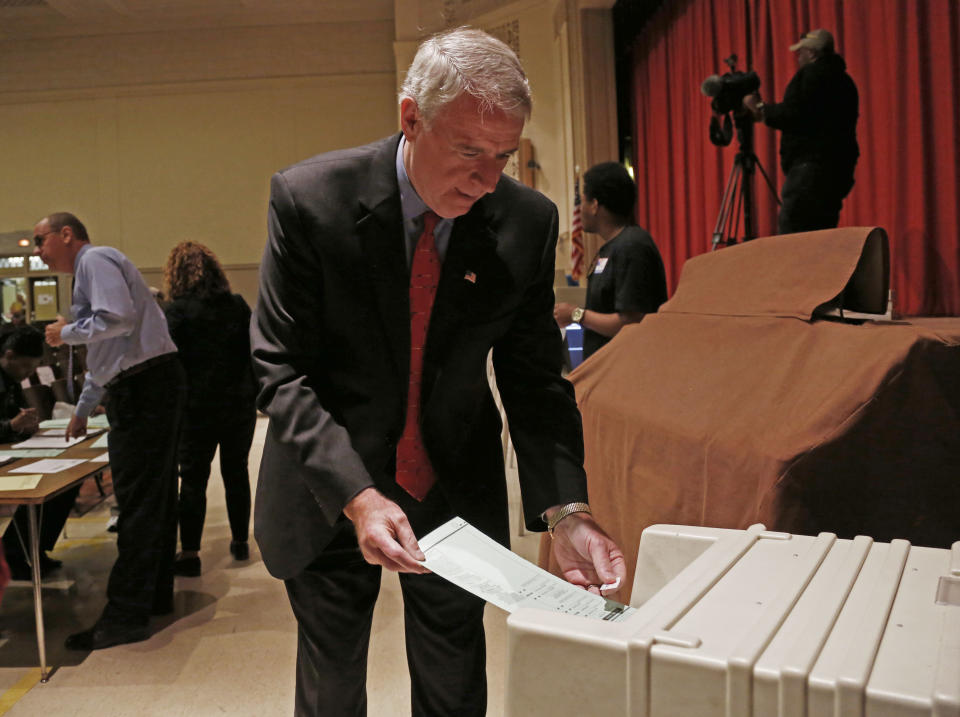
[577,314]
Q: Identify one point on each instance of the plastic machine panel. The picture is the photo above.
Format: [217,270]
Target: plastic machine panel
[735,623]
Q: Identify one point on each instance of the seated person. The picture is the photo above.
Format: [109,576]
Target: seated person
[21,350]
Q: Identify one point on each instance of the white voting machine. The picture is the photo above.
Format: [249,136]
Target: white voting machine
[738,623]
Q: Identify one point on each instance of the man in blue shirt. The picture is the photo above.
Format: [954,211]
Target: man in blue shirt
[131,355]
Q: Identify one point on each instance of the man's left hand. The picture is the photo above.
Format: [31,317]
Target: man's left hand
[53,331]
[587,556]
[77,427]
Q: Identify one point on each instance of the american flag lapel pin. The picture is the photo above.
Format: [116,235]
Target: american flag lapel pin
[471,277]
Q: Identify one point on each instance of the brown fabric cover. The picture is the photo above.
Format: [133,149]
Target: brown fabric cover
[726,421]
[773,276]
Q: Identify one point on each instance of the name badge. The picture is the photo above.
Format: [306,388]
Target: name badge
[601,264]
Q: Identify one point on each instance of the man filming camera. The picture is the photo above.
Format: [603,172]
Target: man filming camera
[818,151]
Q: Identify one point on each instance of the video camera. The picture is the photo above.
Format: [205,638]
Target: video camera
[729,89]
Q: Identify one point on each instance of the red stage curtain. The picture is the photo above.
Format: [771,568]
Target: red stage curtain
[905,58]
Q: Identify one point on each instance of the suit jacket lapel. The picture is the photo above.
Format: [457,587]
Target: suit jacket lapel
[380,232]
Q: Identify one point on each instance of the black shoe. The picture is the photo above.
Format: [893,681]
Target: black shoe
[48,564]
[20,568]
[187,567]
[106,634]
[239,550]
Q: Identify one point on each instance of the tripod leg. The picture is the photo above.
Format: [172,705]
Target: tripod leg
[766,176]
[743,204]
[721,229]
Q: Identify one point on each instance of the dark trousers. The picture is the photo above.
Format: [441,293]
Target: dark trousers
[333,601]
[812,195]
[54,514]
[232,430]
[144,412]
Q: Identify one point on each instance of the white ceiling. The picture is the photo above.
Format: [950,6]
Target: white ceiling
[27,19]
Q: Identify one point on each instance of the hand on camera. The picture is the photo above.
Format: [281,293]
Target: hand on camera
[750,103]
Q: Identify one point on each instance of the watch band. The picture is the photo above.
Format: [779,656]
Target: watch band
[568,509]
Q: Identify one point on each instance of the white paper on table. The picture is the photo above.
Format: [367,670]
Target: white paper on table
[63,432]
[101,442]
[45,374]
[55,423]
[98,421]
[20,482]
[49,442]
[31,453]
[102,458]
[466,557]
[49,465]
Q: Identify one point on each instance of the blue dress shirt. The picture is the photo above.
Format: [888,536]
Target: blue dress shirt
[413,208]
[116,316]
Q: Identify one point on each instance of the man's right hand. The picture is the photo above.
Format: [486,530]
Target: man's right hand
[384,533]
[26,421]
[76,428]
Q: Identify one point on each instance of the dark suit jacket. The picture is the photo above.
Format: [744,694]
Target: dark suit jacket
[331,347]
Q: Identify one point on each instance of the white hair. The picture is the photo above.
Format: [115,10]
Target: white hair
[469,61]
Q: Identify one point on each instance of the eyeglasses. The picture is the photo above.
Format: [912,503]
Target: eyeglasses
[38,238]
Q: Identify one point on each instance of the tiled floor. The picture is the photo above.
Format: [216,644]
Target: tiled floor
[228,649]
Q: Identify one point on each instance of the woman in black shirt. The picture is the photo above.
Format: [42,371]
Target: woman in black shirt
[626,280]
[210,326]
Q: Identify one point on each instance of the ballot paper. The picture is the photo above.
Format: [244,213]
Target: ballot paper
[102,458]
[28,482]
[101,442]
[466,557]
[49,465]
[49,442]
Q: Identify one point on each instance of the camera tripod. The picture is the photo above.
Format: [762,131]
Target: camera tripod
[738,194]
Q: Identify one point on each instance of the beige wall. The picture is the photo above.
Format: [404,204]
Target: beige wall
[146,161]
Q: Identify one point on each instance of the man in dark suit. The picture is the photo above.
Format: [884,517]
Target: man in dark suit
[390,272]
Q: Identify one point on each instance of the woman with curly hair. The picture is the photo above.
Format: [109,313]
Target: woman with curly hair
[210,326]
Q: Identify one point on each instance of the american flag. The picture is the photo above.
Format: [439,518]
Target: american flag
[576,233]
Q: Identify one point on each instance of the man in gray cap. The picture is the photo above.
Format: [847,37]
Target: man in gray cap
[818,151]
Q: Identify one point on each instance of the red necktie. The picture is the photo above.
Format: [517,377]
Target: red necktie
[414,472]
